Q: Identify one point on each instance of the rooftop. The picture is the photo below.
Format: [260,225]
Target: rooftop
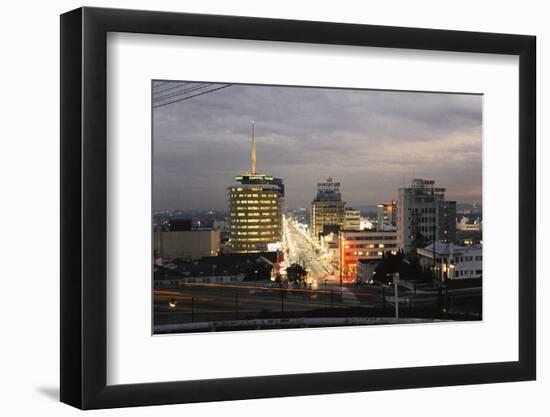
[447,248]
[224,264]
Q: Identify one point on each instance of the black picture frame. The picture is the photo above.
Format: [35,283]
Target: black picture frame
[84,207]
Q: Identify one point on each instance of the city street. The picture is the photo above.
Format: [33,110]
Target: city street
[301,250]
[238,303]
[304,251]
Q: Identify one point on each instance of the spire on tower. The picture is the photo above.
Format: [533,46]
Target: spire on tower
[253,150]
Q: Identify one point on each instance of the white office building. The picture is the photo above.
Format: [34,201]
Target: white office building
[424,215]
[352,219]
[452,262]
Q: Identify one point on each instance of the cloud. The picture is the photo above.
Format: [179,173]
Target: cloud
[368,140]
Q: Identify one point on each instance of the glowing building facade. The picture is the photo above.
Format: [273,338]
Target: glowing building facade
[255,210]
[363,245]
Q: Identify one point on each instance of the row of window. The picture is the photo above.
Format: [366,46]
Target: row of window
[470,258]
[276,220]
[459,259]
[254,201]
[270,232]
[423,210]
[255,226]
[372,246]
[426,219]
[255,208]
[469,272]
[427,236]
[268,195]
[368,253]
[245,245]
[255,213]
[391,237]
[252,239]
[246,189]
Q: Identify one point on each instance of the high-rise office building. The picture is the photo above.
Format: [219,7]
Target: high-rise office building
[327,208]
[386,216]
[352,219]
[255,209]
[447,221]
[423,215]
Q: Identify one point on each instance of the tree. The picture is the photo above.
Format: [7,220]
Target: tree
[419,241]
[258,271]
[296,273]
[408,269]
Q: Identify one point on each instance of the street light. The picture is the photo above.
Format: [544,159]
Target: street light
[451,272]
[341,260]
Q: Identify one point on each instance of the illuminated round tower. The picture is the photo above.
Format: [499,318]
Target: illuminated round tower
[255,210]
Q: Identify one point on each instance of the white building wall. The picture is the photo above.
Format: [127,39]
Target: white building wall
[468,264]
[414,204]
[454,262]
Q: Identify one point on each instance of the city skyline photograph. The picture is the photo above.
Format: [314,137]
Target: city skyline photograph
[279,207]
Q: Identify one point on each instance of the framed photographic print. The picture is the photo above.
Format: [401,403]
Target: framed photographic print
[257,208]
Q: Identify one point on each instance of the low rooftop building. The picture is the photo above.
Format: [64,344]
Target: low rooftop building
[224,268]
[451,261]
[186,244]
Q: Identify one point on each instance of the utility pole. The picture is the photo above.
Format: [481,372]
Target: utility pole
[433,254]
[395,284]
[437,278]
[341,260]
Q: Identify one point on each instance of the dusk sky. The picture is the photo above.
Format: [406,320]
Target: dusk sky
[370,141]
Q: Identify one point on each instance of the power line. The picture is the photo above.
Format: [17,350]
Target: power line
[159,95]
[160,84]
[194,95]
[181,93]
[180,84]
[196,87]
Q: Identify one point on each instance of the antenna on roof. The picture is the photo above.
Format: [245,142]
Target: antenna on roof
[253,149]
